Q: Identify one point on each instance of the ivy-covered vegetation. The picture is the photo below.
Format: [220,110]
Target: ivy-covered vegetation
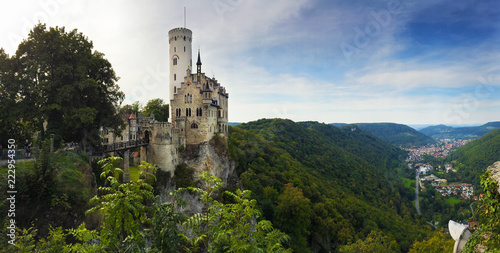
[325,186]
[488,235]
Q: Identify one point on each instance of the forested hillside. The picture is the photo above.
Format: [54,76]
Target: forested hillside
[397,134]
[325,186]
[471,159]
[447,132]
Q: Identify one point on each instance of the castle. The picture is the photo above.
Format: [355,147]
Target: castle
[198,109]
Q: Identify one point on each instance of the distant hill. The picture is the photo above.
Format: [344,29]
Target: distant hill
[233,123]
[448,132]
[472,159]
[397,134]
[348,175]
[338,124]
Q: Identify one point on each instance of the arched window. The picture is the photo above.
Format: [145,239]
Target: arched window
[194,126]
[175,61]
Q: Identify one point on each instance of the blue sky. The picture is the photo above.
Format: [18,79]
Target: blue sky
[402,61]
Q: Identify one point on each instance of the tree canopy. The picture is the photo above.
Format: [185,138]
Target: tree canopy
[158,107]
[57,84]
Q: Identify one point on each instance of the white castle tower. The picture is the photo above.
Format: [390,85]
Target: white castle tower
[179,40]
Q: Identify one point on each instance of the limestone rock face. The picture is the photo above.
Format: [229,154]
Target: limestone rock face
[209,157]
[212,158]
[495,173]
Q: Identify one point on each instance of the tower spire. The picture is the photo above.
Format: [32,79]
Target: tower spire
[198,63]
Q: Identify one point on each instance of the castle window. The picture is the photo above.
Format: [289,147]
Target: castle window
[184,38]
[175,38]
[175,49]
[175,61]
[175,77]
[185,98]
[194,126]
[201,112]
[175,89]
[184,49]
[187,112]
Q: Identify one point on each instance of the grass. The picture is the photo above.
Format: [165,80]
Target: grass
[134,173]
[409,183]
[452,201]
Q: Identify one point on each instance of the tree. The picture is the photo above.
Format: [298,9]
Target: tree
[293,216]
[230,227]
[158,107]
[375,242]
[438,242]
[134,108]
[61,80]
[124,208]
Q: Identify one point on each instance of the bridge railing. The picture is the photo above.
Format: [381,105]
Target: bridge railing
[125,145]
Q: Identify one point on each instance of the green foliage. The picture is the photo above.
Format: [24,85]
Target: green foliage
[53,191]
[375,242]
[56,77]
[397,134]
[229,227]
[184,176]
[472,159]
[350,178]
[293,216]
[437,242]
[123,208]
[26,242]
[159,108]
[165,234]
[488,233]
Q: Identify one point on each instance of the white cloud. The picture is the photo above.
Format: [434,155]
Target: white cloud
[377,85]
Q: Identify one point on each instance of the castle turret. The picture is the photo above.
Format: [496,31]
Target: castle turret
[198,63]
[179,40]
[207,95]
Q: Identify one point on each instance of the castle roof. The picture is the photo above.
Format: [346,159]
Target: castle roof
[199,58]
[207,89]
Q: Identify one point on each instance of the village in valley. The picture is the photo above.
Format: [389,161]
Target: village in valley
[416,160]
[441,149]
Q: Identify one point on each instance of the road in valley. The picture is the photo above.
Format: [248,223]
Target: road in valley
[417,206]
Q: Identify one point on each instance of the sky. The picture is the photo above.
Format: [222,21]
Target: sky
[402,61]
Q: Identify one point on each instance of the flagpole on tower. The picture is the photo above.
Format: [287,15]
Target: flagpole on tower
[184,17]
